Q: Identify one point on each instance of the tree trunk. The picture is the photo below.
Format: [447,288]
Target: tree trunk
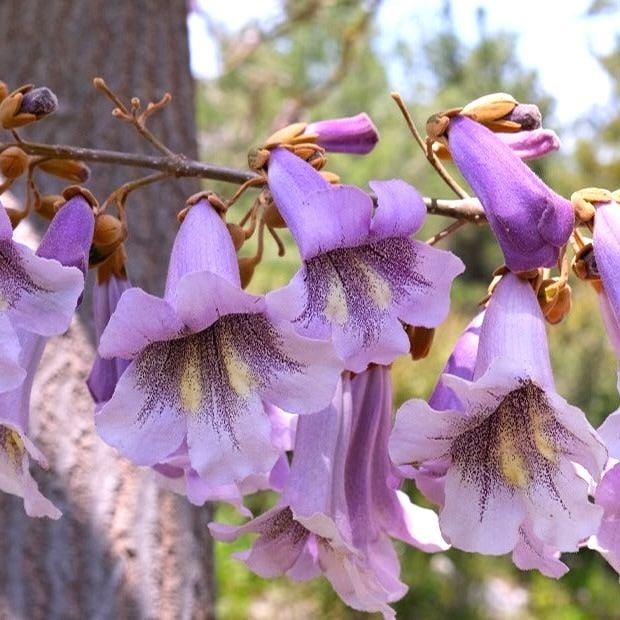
[124,548]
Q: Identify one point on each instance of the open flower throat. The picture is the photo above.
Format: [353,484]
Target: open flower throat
[341,281]
[516,446]
[187,376]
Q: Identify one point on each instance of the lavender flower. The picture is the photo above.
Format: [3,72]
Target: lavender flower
[530,221]
[64,247]
[341,503]
[354,134]
[512,447]
[361,274]
[204,359]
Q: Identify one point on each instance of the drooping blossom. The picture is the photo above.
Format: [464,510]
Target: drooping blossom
[354,134]
[361,274]
[514,447]
[203,360]
[530,221]
[65,245]
[37,294]
[341,503]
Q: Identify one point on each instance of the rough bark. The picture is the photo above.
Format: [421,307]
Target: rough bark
[124,548]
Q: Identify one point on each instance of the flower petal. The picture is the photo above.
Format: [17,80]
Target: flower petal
[139,320]
[400,212]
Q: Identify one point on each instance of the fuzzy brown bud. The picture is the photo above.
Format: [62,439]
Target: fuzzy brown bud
[109,235]
[69,169]
[13,162]
[4,90]
[555,300]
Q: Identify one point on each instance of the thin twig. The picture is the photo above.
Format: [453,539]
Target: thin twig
[446,232]
[179,166]
[430,156]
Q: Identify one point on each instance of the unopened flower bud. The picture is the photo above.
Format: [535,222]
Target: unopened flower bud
[69,169]
[420,341]
[39,101]
[527,115]
[26,105]
[109,235]
[13,162]
[46,206]
[237,234]
[355,134]
[4,90]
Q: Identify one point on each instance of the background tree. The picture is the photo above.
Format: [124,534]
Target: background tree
[124,548]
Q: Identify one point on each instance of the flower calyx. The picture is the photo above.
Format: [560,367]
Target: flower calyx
[584,264]
[293,138]
[555,299]
[583,201]
[492,111]
[25,105]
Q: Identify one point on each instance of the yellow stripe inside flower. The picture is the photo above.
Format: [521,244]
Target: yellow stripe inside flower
[379,289]
[191,385]
[511,463]
[12,444]
[239,373]
[336,308]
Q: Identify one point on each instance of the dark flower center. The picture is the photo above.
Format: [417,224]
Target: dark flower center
[356,287]
[213,374]
[517,446]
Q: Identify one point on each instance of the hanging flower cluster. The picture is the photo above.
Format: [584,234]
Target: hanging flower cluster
[222,393]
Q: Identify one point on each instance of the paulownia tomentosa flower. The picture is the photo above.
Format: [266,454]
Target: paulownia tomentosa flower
[203,360]
[361,273]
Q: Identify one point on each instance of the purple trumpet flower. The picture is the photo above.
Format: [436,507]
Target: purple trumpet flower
[340,504]
[513,447]
[37,294]
[529,220]
[203,361]
[64,247]
[361,274]
[354,134]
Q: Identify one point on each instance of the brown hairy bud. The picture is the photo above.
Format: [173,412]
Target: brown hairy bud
[69,169]
[583,201]
[4,90]
[420,341]
[113,266]
[108,237]
[13,162]
[46,206]
[286,135]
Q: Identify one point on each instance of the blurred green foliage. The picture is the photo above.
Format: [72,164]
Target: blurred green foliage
[318,62]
